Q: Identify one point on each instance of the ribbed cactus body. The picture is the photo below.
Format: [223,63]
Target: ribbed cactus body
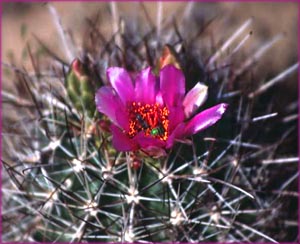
[64,181]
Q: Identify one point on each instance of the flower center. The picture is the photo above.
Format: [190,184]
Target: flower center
[152,119]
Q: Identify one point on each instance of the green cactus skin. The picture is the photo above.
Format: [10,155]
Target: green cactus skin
[80,90]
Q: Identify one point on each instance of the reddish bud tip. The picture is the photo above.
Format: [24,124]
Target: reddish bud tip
[77,68]
[136,164]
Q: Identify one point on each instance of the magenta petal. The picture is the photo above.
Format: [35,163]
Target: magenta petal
[109,103]
[194,99]
[145,87]
[121,141]
[172,85]
[205,119]
[121,82]
[159,99]
[155,152]
[178,133]
[148,141]
[176,116]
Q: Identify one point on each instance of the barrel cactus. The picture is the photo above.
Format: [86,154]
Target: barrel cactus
[152,134]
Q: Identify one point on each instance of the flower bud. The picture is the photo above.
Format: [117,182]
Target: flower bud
[79,88]
[136,164]
[168,57]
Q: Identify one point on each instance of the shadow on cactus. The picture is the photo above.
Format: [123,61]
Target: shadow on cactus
[148,137]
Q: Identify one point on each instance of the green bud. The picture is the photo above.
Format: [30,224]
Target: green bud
[80,89]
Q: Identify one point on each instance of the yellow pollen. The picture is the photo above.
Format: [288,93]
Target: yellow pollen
[152,119]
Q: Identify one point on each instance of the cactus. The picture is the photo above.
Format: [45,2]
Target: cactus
[64,181]
[79,87]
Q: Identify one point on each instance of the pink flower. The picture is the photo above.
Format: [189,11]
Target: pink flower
[153,113]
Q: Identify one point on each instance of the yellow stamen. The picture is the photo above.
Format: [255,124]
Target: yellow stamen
[152,119]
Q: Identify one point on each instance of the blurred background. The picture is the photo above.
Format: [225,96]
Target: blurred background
[20,21]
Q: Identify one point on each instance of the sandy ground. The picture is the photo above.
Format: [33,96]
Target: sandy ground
[21,20]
